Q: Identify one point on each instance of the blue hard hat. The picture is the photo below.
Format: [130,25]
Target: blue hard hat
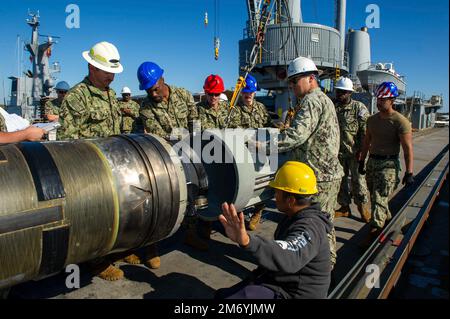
[62,86]
[148,74]
[251,86]
[387,90]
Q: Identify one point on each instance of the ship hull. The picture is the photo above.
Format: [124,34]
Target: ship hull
[369,78]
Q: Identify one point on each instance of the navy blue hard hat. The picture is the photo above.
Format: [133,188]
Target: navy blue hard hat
[148,74]
[251,86]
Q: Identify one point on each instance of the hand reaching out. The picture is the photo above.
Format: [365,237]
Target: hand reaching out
[234,224]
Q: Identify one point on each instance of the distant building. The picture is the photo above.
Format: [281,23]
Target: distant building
[423,111]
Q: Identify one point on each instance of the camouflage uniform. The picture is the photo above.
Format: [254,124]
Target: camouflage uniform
[352,123]
[2,124]
[383,173]
[88,112]
[255,118]
[210,118]
[382,180]
[128,120]
[160,118]
[52,107]
[313,138]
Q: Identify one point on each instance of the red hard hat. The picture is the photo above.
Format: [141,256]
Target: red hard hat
[213,84]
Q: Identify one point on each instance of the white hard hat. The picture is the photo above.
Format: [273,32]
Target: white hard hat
[344,84]
[104,56]
[223,97]
[301,65]
[125,90]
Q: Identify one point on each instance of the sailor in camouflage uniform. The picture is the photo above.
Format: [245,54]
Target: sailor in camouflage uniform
[313,136]
[129,109]
[253,114]
[352,116]
[90,109]
[167,107]
[213,112]
[52,107]
[386,131]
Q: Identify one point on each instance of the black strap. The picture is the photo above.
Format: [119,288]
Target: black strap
[47,180]
[55,244]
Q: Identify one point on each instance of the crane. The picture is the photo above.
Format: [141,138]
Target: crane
[259,27]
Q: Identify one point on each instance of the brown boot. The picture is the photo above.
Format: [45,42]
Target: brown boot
[254,220]
[193,239]
[103,268]
[343,211]
[153,259]
[364,212]
[111,273]
[132,259]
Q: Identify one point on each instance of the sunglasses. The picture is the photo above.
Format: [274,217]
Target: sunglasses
[61,92]
[213,94]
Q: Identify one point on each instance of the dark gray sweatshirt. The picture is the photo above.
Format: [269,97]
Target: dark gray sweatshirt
[297,263]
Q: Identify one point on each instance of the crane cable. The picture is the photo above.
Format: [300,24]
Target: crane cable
[265,14]
[216,29]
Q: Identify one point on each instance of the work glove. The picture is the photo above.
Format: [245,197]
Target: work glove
[408,179]
[361,168]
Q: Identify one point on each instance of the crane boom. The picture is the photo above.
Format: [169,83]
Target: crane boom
[264,18]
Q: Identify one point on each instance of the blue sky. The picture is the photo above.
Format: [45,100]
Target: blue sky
[412,34]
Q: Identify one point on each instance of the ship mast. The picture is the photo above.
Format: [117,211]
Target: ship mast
[39,56]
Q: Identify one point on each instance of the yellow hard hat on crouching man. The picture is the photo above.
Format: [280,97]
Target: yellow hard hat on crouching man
[295,177]
[298,248]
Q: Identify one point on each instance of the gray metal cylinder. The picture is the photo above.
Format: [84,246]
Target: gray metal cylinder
[72,201]
[235,173]
[340,25]
[294,7]
[358,50]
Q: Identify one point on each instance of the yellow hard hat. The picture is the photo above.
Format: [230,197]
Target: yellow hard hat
[295,177]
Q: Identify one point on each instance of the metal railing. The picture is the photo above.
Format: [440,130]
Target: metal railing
[391,249]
